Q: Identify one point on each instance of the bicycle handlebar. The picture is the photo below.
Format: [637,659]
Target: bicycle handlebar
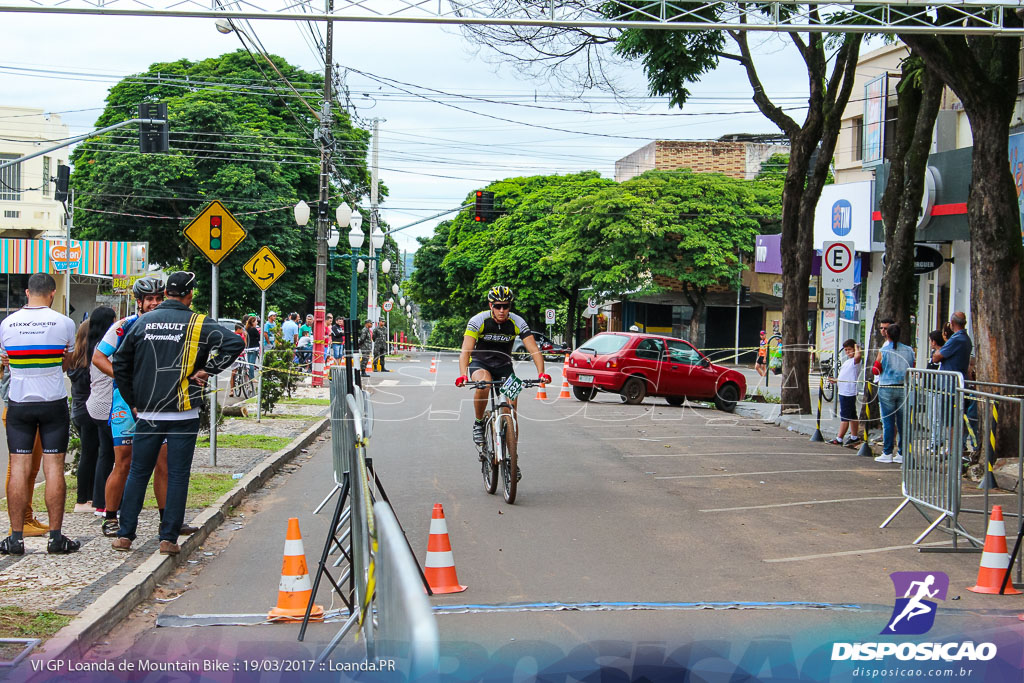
[498,382]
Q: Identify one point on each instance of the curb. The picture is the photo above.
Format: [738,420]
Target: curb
[95,621]
[791,423]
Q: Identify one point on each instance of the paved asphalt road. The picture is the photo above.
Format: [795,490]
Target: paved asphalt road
[617,504]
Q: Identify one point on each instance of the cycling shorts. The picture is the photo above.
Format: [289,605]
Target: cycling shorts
[498,372]
[50,419]
[122,422]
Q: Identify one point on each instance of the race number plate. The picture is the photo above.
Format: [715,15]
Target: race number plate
[512,387]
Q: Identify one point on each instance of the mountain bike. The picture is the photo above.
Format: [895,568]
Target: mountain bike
[499,451]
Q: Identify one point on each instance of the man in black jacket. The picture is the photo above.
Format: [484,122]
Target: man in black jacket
[161,368]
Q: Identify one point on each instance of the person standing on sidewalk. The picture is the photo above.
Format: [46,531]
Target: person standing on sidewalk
[161,369]
[338,339]
[380,346]
[895,361]
[33,527]
[849,377]
[38,342]
[366,346]
[88,435]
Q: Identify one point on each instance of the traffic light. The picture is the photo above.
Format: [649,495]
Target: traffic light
[153,137]
[216,232]
[63,174]
[484,207]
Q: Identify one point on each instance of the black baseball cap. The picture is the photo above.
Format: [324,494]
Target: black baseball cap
[180,283]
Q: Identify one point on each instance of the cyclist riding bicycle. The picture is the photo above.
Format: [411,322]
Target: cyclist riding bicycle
[487,350]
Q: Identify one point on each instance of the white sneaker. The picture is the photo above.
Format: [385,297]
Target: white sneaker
[884,457]
[898,457]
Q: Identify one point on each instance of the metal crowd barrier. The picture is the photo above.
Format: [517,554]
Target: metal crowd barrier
[406,626]
[932,432]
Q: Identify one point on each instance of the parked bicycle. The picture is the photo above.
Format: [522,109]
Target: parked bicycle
[499,451]
[828,373]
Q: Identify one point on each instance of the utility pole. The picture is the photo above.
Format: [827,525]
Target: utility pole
[323,220]
[371,295]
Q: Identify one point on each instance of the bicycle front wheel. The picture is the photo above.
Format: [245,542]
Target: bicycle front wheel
[828,390]
[509,458]
[488,463]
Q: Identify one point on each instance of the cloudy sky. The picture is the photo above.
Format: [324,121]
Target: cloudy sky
[438,140]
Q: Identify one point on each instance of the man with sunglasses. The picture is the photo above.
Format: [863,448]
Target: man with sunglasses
[487,350]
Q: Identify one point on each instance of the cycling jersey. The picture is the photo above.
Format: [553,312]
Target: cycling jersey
[494,340]
[35,339]
[102,390]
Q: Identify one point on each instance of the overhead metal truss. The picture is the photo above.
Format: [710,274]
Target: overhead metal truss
[878,16]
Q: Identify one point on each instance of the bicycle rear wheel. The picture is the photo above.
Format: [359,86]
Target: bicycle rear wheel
[828,390]
[488,464]
[509,458]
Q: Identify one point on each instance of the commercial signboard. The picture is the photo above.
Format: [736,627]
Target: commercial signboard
[875,95]
[843,213]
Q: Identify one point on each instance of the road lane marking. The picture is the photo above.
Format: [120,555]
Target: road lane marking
[395,383]
[690,436]
[690,455]
[833,500]
[751,474]
[866,551]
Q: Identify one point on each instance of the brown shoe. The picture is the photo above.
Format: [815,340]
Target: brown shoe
[187,530]
[122,543]
[33,527]
[168,548]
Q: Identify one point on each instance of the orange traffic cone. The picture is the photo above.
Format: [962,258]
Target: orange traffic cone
[294,591]
[433,365]
[542,394]
[995,561]
[565,389]
[369,364]
[440,565]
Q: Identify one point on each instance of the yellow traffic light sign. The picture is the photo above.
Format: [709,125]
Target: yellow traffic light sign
[215,232]
[264,268]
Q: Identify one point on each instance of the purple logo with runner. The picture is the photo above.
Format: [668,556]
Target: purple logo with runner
[914,611]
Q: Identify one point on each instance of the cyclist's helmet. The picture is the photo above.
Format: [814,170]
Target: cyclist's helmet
[500,293]
[147,286]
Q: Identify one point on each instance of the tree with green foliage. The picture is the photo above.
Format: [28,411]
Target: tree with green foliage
[234,137]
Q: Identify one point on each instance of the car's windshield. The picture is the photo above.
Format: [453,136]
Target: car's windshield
[605,343]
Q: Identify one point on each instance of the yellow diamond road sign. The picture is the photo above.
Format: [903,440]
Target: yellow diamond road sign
[264,268]
[215,232]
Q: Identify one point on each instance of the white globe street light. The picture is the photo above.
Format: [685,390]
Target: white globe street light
[332,239]
[302,213]
[385,266]
[343,215]
[394,289]
[377,238]
[355,237]
[360,266]
[357,220]
[401,302]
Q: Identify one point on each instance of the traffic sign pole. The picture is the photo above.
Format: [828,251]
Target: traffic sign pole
[259,377]
[216,378]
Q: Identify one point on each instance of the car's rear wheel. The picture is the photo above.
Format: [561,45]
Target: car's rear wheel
[633,391]
[584,393]
[727,397]
[675,400]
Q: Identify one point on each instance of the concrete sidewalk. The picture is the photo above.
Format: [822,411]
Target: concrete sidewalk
[97,585]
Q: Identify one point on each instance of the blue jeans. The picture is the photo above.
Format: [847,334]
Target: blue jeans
[890,403]
[338,350]
[253,357]
[181,445]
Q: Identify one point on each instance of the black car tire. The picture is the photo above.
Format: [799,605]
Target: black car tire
[727,397]
[675,400]
[584,393]
[633,391]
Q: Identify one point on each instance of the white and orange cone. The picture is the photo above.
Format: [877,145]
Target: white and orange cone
[565,389]
[995,560]
[369,364]
[440,565]
[433,365]
[542,393]
[295,591]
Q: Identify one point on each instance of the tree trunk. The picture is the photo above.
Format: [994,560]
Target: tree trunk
[901,202]
[983,73]
[996,254]
[698,302]
[797,252]
[572,315]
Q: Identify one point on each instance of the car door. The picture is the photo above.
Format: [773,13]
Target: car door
[648,360]
[686,375]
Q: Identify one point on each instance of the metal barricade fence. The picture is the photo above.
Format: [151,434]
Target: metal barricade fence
[406,626]
[932,433]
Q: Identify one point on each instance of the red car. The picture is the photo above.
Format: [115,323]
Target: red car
[636,365]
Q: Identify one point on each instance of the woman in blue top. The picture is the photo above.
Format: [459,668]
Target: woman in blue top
[896,359]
